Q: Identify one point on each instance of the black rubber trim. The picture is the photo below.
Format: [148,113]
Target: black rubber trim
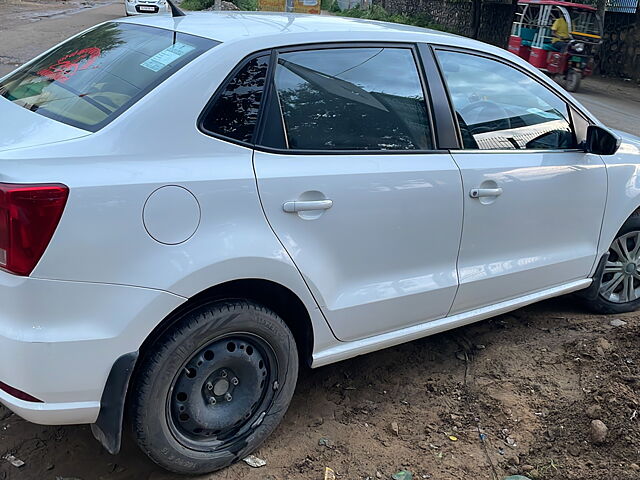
[445,125]
[270,128]
[108,426]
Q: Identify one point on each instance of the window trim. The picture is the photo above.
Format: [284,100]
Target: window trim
[570,104]
[268,90]
[270,107]
[446,127]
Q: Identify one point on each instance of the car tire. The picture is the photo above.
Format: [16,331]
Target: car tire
[214,387]
[611,297]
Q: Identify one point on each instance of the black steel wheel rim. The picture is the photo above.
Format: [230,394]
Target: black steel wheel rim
[221,394]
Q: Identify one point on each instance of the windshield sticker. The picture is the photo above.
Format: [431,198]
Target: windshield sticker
[166,56]
[70,64]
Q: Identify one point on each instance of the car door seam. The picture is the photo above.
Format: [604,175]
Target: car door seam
[457,271]
[264,213]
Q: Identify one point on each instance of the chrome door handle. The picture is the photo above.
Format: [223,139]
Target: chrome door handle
[307,205]
[485,192]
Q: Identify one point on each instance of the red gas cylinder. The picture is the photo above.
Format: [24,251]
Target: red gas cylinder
[538,57]
[514,44]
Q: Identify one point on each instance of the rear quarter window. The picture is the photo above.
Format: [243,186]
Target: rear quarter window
[90,79]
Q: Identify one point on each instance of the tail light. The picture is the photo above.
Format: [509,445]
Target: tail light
[29,214]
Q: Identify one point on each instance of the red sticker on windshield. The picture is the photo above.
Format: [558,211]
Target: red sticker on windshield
[70,64]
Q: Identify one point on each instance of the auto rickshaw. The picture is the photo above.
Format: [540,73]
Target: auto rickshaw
[558,37]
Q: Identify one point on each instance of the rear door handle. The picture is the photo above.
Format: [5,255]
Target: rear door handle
[307,205]
[485,192]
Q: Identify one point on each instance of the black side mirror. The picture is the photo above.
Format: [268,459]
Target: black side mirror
[602,141]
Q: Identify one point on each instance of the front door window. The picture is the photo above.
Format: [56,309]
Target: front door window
[500,108]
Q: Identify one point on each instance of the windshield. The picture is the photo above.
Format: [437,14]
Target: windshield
[91,79]
[584,22]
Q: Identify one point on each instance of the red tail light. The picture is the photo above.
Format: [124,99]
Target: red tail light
[29,214]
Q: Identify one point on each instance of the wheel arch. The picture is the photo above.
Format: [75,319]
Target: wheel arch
[612,224]
[284,302]
[275,296]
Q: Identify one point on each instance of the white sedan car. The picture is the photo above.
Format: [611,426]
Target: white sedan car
[138,7]
[190,207]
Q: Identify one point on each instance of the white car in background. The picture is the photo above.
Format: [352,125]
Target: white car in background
[191,207]
[140,7]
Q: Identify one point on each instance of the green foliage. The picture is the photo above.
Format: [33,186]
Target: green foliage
[335,8]
[204,4]
[376,12]
[326,4]
[246,4]
[196,4]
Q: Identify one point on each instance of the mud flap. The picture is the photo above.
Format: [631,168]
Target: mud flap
[591,293]
[108,426]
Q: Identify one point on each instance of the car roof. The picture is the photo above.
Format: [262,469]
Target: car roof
[230,26]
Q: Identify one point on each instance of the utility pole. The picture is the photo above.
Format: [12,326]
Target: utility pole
[476,16]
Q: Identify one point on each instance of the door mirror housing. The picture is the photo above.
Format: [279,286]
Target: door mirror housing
[602,141]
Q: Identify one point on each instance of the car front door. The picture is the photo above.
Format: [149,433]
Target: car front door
[352,186]
[533,201]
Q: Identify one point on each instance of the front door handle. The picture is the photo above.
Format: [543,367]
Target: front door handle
[307,205]
[485,192]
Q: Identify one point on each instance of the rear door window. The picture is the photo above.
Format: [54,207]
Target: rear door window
[91,79]
[352,99]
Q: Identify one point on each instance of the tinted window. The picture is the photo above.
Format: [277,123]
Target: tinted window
[235,111]
[501,108]
[91,79]
[352,99]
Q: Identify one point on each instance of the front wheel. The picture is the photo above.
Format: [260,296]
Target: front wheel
[573,80]
[619,286]
[214,387]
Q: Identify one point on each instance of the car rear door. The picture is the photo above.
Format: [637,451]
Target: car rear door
[351,183]
[533,200]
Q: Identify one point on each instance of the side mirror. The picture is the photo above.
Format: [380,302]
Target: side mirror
[602,141]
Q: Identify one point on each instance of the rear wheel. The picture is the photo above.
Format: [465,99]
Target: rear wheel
[619,286]
[214,388]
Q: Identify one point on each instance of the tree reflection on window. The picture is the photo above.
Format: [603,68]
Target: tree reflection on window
[376,107]
[235,112]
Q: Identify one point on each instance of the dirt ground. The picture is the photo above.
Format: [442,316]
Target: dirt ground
[28,27]
[515,394]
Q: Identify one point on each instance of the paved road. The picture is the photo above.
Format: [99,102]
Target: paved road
[29,27]
[614,102]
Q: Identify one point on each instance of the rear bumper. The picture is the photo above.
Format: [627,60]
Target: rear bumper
[52,413]
[59,340]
